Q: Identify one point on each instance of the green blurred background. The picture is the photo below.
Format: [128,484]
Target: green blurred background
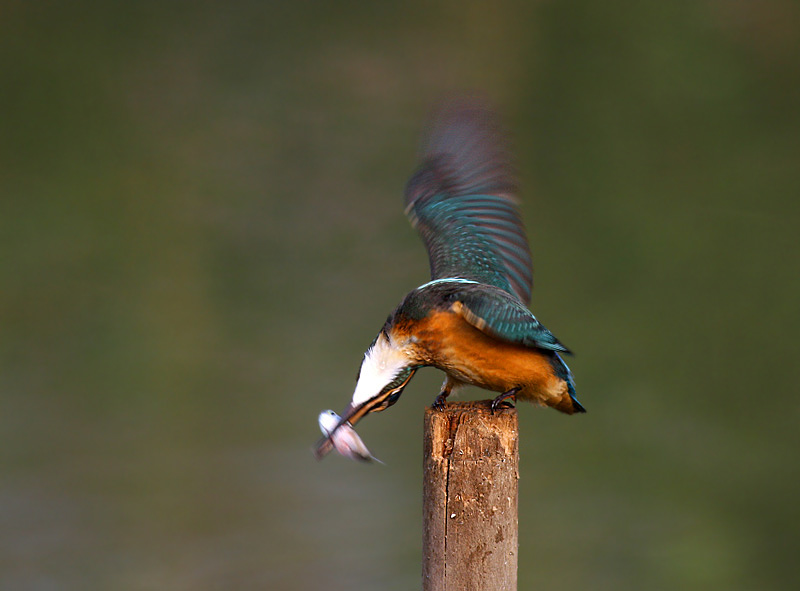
[201,230]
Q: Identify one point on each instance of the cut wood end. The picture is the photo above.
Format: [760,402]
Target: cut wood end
[460,425]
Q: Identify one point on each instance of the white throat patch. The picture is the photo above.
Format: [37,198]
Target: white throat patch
[382,362]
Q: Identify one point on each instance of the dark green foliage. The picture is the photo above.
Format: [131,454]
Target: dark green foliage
[201,231]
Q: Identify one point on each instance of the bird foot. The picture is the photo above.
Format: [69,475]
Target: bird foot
[502,400]
[438,403]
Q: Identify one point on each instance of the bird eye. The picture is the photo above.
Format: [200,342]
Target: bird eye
[392,398]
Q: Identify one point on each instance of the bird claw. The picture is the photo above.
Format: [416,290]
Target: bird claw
[439,401]
[502,400]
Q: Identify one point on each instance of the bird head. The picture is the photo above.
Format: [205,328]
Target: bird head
[385,371]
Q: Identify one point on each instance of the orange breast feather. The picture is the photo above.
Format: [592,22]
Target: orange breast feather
[448,342]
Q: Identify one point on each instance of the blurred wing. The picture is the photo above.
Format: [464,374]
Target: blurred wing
[461,201]
[502,316]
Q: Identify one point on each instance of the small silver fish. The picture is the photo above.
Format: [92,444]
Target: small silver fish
[345,440]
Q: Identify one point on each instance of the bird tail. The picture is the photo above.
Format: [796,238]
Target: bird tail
[572,406]
[576,406]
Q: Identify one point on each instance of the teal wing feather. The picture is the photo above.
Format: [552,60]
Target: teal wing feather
[461,201]
[502,316]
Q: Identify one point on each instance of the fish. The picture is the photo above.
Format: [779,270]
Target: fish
[344,438]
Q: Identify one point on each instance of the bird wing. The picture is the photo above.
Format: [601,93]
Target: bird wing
[502,316]
[461,201]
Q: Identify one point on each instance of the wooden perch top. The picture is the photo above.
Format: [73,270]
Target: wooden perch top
[472,431]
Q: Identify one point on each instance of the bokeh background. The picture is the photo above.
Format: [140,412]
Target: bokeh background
[201,230]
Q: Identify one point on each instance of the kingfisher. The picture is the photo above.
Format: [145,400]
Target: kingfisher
[471,320]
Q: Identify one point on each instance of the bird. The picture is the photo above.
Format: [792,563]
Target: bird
[471,320]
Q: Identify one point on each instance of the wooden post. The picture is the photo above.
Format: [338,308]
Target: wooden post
[471,475]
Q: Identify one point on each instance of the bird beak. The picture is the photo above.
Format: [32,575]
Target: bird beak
[354,413]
